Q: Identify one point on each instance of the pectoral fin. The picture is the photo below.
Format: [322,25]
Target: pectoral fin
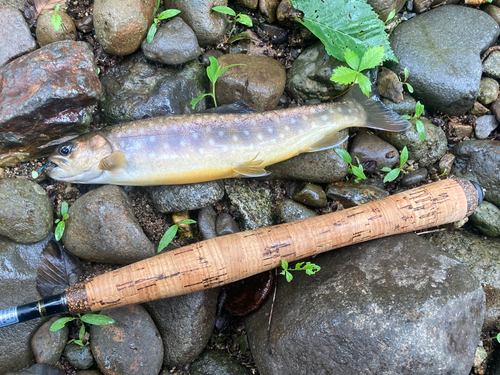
[114,162]
[251,168]
[327,143]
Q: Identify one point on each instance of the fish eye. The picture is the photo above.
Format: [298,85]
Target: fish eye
[65,150]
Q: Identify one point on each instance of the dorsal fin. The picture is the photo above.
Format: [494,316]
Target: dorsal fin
[114,162]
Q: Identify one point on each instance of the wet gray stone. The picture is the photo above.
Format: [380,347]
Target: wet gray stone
[480,161]
[415,309]
[175,198]
[254,205]
[309,76]
[406,107]
[289,211]
[39,369]
[310,195]
[25,211]
[486,218]
[493,11]
[485,125]
[102,227]
[351,194]
[48,346]
[15,35]
[217,363]
[121,25]
[135,89]
[427,152]
[415,177]
[225,224]
[80,357]
[185,324]
[488,91]
[451,86]
[318,167]
[208,25]
[206,222]
[18,272]
[367,146]
[491,66]
[389,86]
[174,43]
[132,345]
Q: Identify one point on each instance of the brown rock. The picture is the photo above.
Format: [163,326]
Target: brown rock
[46,33]
[445,164]
[268,9]
[389,86]
[478,109]
[260,82]
[46,98]
[48,346]
[286,11]
[250,4]
[460,130]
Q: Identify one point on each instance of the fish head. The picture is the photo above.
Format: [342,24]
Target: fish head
[78,160]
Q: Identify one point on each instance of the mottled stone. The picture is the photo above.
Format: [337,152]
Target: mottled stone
[217,363]
[78,356]
[46,33]
[45,104]
[15,35]
[351,194]
[384,7]
[250,4]
[478,109]
[289,211]
[486,218]
[445,164]
[492,10]
[488,91]
[268,9]
[287,12]
[406,107]
[48,346]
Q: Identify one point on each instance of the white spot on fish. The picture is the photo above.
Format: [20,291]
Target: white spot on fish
[287,127]
[260,136]
[246,132]
[292,121]
[182,143]
[165,146]
[270,130]
[282,135]
[152,155]
[331,111]
[208,130]
[129,131]
[235,138]
[141,131]
[199,120]
[338,109]
[186,125]
[164,128]
[195,135]
[254,123]
[202,151]
[211,141]
[224,148]
[176,127]
[304,118]
[221,133]
[324,117]
[349,110]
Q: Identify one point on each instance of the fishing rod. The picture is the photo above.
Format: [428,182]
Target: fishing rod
[222,260]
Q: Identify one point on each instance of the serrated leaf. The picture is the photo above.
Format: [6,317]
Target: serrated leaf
[151,33]
[364,84]
[212,69]
[404,156]
[420,129]
[169,13]
[351,59]
[392,175]
[59,324]
[56,21]
[419,109]
[244,19]
[224,10]
[58,233]
[342,24]
[344,155]
[344,75]
[97,319]
[373,57]
[167,237]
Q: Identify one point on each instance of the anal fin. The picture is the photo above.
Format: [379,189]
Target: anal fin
[114,162]
[327,142]
[251,168]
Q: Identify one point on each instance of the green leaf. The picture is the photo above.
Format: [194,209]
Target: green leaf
[344,75]
[311,268]
[56,221]
[407,73]
[238,37]
[244,19]
[404,156]
[169,13]
[97,319]
[498,337]
[420,129]
[284,265]
[56,20]
[59,230]
[151,33]
[289,276]
[406,117]
[351,59]
[59,324]
[213,69]
[392,175]
[34,175]
[196,100]
[409,87]
[373,57]
[298,266]
[344,155]
[78,342]
[358,170]
[186,221]
[364,84]
[157,7]
[391,15]
[65,217]
[64,209]
[342,24]
[223,70]
[81,333]
[224,10]
[419,109]
[167,237]
[386,169]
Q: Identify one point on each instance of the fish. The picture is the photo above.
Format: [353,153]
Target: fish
[193,148]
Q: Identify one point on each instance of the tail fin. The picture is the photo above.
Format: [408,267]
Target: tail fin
[378,116]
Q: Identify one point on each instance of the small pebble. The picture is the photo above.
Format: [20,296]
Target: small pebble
[485,125]
[78,356]
[206,222]
[289,211]
[486,218]
[478,109]
[414,178]
[225,224]
[445,164]
[488,91]
[85,24]
[310,195]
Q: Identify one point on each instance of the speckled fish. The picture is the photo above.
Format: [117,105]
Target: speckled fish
[183,149]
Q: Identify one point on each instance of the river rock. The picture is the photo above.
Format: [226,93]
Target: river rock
[451,86]
[486,218]
[46,32]
[78,356]
[209,26]
[38,113]
[480,161]
[485,125]
[389,86]
[491,66]
[414,178]
[394,305]
[488,91]
[289,211]
[253,205]
[206,222]
[259,82]
[85,24]
[25,211]
[175,198]
[286,12]
[217,363]
[18,274]
[174,43]
[136,89]
[121,25]
[406,107]
[310,195]
[15,35]
[268,9]
[366,146]
[318,167]
[40,369]
[427,152]
[351,194]
[225,224]
[102,228]
[185,324]
[492,10]
[309,76]
[48,346]
[132,345]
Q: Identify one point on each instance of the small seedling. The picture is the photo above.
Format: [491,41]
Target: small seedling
[408,86]
[60,222]
[214,71]
[56,20]
[357,171]
[34,175]
[419,109]
[238,18]
[394,173]
[350,76]
[170,234]
[169,13]
[390,16]
[309,267]
[94,319]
